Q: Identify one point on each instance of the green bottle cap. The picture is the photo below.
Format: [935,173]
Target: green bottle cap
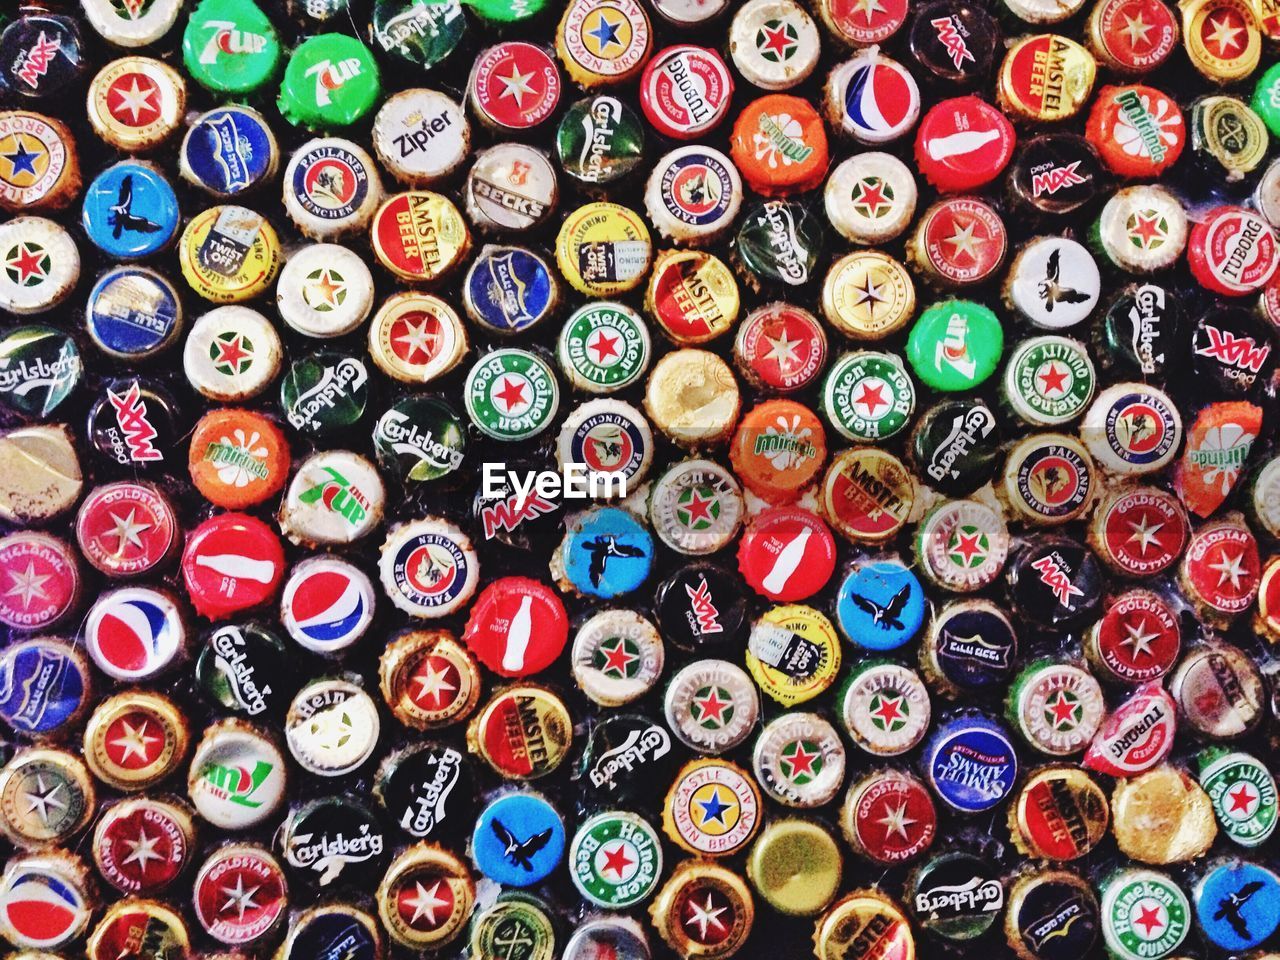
[1243,794]
[40,368]
[331,81]
[955,345]
[600,140]
[325,393]
[1145,915]
[230,47]
[1266,99]
[420,438]
[868,396]
[421,32]
[512,394]
[603,347]
[1048,381]
[505,11]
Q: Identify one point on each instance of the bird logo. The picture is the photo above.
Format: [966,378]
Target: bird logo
[602,548]
[122,217]
[1230,907]
[885,617]
[520,852]
[1051,289]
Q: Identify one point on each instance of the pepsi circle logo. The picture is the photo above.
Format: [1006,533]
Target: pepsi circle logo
[133,633]
[327,604]
[881,101]
[41,910]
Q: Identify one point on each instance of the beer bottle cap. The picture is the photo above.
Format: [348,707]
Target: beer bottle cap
[799,760]
[1139,531]
[327,604]
[137,103]
[617,657]
[692,397]
[509,290]
[421,136]
[419,784]
[419,35]
[1057,173]
[238,458]
[625,755]
[888,817]
[1257,915]
[971,647]
[713,808]
[241,669]
[45,576]
[522,733]
[605,45]
[46,797]
[1045,78]
[346,87]
[780,145]
[1266,100]
[135,633]
[1219,692]
[41,265]
[962,545]
[693,195]
[416,337]
[133,313]
[1142,229]
[125,921]
[793,653]
[959,241]
[861,924]
[1136,894]
[331,188]
[517,627]
[780,347]
[963,144]
[162,826]
[779,243]
[701,605]
[868,396]
[148,221]
[511,394]
[42,370]
[320,929]
[955,345]
[1132,429]
[881,605]
[43,170]
[704,911]
[1228,136]
[868,295]
[514,85]
[600,140]
[955,41]
[1048,479]
[1137,333]
[1243,793]
[1137,130]
[428,568]
[787,554]
[1221,38]
[333,842]
[1051,915]
[127,528]
[1222,434]
[581,563]
[239,893]
[1053,797]
[856,26]
[336,497]
[419,236]
[510,187]
[428,679]
[967,750]
[603,347]
[229,150]
[711,705]
[230,48]
[1232,251]
[425,897]
[1132,36]
[1042,12]
[616,859]
[774,43]
[231,354]
[618,933]
[332,727]
[229,254]
[884,708]
[46,686]
[1137,640]
[509,822]
[231,562]
[1056,707]
[870,197]
[419,439]
[603,249]
[1048,381]
[931,895]
[685,91]
[324,394]
[872,98]
[687,14]
[514,914]
[1137,735]
[237,775]
[40,476]
[131,27]
[1053,283]
[695,507]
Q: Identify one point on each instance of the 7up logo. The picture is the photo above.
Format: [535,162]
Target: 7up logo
[330,76]
[953,349]
[226,38]
[339,495]
[236,784]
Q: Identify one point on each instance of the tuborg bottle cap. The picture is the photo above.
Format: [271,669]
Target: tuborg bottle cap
[685,91]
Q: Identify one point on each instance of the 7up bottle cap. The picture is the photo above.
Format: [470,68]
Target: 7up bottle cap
[603,347]
[955,345]
[336,497]
[868,396]
[237,775]
[331,81]
[615,859]
[1145,915]
[1243,793]
[511,394]
[230,47]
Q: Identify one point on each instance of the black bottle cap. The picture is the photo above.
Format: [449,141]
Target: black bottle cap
[1232,353]
[955,40]
[40,54]
[1056,173]
[333,842]
[954,446]
[971,646]
[513,520]
[1054,582]
[428,790]
[1138,335]
[956,895]
[134,423]
[700,606]
[246,669]
[628,758]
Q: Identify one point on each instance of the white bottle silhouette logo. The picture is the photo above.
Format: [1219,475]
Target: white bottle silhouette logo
[518,636]
[956,144]
[241,568]
[785,564]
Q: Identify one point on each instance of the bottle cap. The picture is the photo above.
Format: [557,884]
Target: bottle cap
[863,924]
[780,347]
[133,313]
[1048,381]
[229,150]
[695,507]
[603,249]
[511,394]
[1137,130]
[421,136]
[416,338]
[426,897]
[127,528]
[795,866]
[581,563]
[1162,817]
[42,369]
[514,85]
[237,775]
[704,911]
[1243,793]
[787,554]
[956,896]
[143,844]
[517,914]
[136,103]
[955,345]
[616,859]
[43,171]
[799,760]
[1255,918]
[420,236]
[1132,429]
[1053,283]
[692,397]
[963,143]
[1136,334]
[333,926]
[517,627]
[229,254]
[1052,915]
[780,145]
[1054,582]
[509,290]
[774,44]
[231,354]
[40,473]
[888,817]
[242,669]
[701,605]
[1045,78]
[428,679]
[687,14]
[603,347]
[711,705]
[871,98]
[134,423]
[238,458]
[230,47]
[1144,914]
[1057,708]
[1132,36]
[1219,692]
[45,577]
[1265,619]
[693,195]
[608,48]
[779,243]
[1142,229]
[239,893]
[147,927]
[231,562]
[331,188]
[510,187]
[685,91]
[1137,640]
[1231,350]
[324,394]
[420,784]
[134,633]
[1139,531]
[130,211]
[855,25]
[870,197]
[600,140]
[1048,479]
[336,497]
[429,568]
[45,686]
[617,657]
[955,41]
[1266,100]
[419,36]
[1229,137]
[1217,444]
[332,727]
[959,241]
[41,265]
[1136,735]
[778,450]
[519,839]
[971,647]
[46,797]
[1221,38]
[625,755]
[333,841]
[346,87]
[692,295]
[868,295]
[713,808]
[327,604]
[1232,251]
[419,439]
[793,653]
[130,27]
[962,545]
[970,763]
[522,733]
[1057,173]
[881,604]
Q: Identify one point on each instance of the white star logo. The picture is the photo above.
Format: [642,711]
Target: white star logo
[964,242]
[706,917]
[133,741]
[896,820]
[135,101]
[516,85]
[426,902]
[238,898]
[142,850]
[27,585]
[869,8]
[782,350]
[1229,568]
[416,338]
[1138,639]
[43,798]
[1144,534]
[127,531]
[432,684]
[1137,29]
[1224,35]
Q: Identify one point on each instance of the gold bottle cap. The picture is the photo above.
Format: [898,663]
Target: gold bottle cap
[864,925]
[604,249]
[693,398]
[49,175]
[523,732]
[1221,38]
[429,679]
[420,236]
[796,866]
[141,929]
[868,295]
[137,103]
[1046,78]
[868,494]
[135,739]
[46,796]
[1049,478]
[39,474]
[229,254]
[693,295]
[704,911]
[1162,817]
[426,897]
[416,338]
[1060,814]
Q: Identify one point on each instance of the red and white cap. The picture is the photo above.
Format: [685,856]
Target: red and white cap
[963,143]
[1232,251]
[517,627]
[787,554]
[686,91]
[232,562]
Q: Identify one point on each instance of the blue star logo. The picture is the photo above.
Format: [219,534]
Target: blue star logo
[714,808]
[22,160]
[606,32]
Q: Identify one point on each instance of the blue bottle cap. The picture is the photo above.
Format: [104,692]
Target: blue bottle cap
[881,605]
[510,289]
[130,210]
[518,840]
[606,553]
[133,313]
[1238,905]
[970,762]
[44,686]
[229,150]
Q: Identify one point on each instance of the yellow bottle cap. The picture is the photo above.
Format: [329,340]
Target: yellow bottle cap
[229,254]
[1221,38]
[523,732]
[603,43]
[604,249]
[137,103]
[1060,814]
[864,925]
[42,171]
[693,398]
[1162,817]
[770,655]
[693,295]
[868,295]
[1046,78]
[704,911]
[795,866]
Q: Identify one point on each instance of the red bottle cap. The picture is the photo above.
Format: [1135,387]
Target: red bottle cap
[1137,639]
[685,91]
[39,580]
[239,893]
[1135,36]
[1141,532]
[781,347]
[125,529]
[160,827]
[517,627]
[1137,735]
[890,817]
[963,143]
[787,554]
[1221,568]
[232,562]
[1232,251]
[780,145]
[515,85]
[961,240]
[1137,130]
[862,23]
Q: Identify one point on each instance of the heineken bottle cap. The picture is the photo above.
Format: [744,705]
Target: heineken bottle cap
[150,219]
[799,760]
[510,187]
[711,706]
[696,507]
[332,727]
[229,254]
[962,545]
[131,26]
[229,150]
[955,345]
[603,347]
[420,438]
[137,103]
[421,136]
[795,865]
[41,265]
[600,140]
[330,81]
[1142,229]
[1057,708]
[774,43]
[868,396]
[231,354]
[884,706]
[420,236]
[230,47]
[615,859]
[1243,793]
[43,369]
[617,657]
[331,188]
[1144,914]
[511,394]
[1048,381]
[325,290]
[870,197]
[419,35]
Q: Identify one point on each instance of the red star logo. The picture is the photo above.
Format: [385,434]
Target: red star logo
[616,860]
[698,508]
[27,264]
[871,399]
[1147,228]
[889,711]
[1242,798]
[801,762]
[871,195]
[231,352]
[511,394]
[617,658]
[1063,709]
[603,346]
[1149,918]
[1053,379]
[968,546]
[711,707]
[777,40]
